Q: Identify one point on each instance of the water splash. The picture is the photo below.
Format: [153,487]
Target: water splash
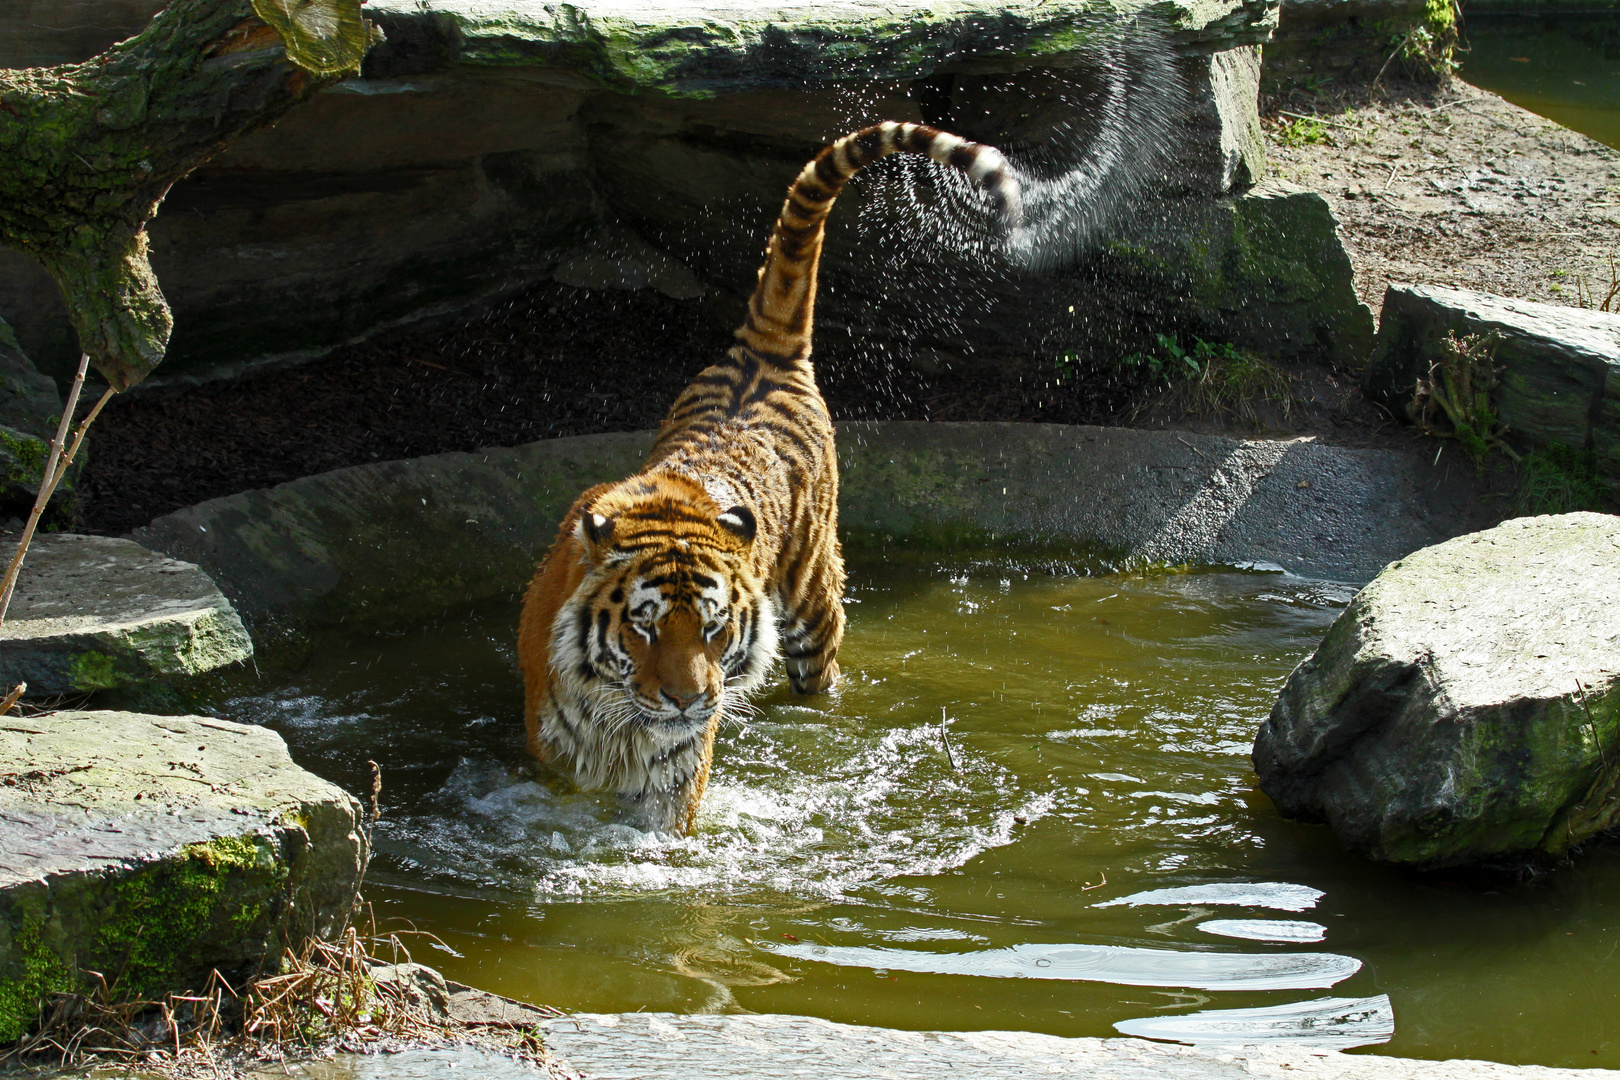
[801,810]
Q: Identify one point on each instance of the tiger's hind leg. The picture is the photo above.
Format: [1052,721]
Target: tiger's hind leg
[814,626]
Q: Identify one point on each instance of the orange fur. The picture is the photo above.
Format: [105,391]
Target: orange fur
[665,597]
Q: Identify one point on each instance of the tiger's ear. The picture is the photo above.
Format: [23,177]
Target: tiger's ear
[739,520]
[595,532]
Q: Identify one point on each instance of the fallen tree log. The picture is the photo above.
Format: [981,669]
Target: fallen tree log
[88,151]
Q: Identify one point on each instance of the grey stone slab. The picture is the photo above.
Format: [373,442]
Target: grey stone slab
[396,538]
[29,401]
[713,46]
[1466,706]
[1560,366]
[98,612]
[159,847]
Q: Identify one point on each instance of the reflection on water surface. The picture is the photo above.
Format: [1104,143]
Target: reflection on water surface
[1092,852]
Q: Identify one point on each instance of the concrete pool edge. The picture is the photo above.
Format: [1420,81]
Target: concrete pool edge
[773,1046]
[396,539]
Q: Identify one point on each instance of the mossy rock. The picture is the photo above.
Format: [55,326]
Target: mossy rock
[1560,366]
[155,849]
[1465,708]
[100,613]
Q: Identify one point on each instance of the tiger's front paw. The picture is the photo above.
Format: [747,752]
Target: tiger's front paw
[815,682]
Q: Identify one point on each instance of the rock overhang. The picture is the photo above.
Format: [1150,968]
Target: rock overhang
[703,49]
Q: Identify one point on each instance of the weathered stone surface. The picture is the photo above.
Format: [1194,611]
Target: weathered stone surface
[155,848]
[96,612]
[29,401]
[691,50]
[427,988]
[1348,42]
[1466,706]
[1560,366]
[400,537]
[488,142]
[619,1047]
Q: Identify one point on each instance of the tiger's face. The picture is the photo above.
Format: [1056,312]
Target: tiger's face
[670,623]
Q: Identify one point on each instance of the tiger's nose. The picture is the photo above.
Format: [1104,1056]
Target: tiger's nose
[682,703]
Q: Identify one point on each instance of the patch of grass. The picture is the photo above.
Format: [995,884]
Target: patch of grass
[1214,380]
[1558,480]
[1302,132]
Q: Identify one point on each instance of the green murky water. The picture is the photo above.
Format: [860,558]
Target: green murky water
[1566,69]
[847,867]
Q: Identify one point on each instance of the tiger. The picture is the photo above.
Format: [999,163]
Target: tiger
[667,597]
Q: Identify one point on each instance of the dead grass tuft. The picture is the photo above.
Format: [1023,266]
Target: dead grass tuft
[324,998]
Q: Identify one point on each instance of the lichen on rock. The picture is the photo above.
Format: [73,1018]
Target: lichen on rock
[157,849]
[1465,707]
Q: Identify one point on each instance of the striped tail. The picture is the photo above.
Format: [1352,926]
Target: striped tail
[782,310]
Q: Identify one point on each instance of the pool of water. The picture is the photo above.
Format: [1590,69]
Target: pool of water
[1564,68]
[1083,848]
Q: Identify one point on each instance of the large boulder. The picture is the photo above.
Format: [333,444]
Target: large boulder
[1465,707]
[1560,366]
[100,613]
[155,849]
[487,142]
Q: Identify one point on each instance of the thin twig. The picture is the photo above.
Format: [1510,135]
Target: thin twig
[11,699]
[1591,723]
[56,467]
[1398,50]
[45,488]
[1319,119]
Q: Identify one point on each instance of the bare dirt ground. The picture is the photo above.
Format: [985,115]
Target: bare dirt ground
[1455,186]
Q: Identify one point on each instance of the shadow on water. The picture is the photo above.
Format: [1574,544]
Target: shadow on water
[1090,854]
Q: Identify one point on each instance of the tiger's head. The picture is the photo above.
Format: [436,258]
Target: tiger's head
[671,622]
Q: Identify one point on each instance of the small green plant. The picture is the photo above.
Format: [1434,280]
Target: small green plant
[1171,363]
[1557,480]
[1212,379]
[1302,131]
[1458,387]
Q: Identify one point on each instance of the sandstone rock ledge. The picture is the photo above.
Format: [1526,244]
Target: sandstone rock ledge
[1466,706]
[97,613]
[156,848]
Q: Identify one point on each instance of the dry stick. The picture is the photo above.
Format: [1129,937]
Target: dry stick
[1398,50]
[1319,119]
[56,467]
[11,699]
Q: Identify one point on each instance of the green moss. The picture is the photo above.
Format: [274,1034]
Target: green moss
[32,969]
[92,670]
[1440,16]
[152,922]
[22,459]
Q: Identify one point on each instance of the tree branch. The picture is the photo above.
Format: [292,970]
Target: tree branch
[88,151]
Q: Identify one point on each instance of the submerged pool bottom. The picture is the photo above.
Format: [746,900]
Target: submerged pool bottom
[1090,854]
[1565,67]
